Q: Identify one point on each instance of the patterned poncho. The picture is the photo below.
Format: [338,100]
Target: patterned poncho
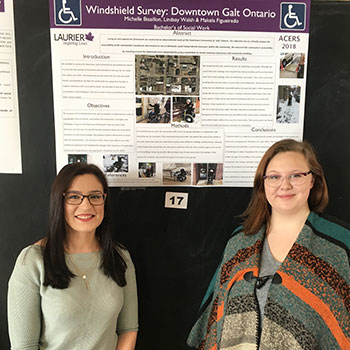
[308,303]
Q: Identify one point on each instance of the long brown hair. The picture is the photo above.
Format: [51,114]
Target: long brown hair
[57,274]
[258,212]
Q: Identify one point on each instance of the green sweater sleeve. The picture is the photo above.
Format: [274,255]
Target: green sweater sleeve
[24,313]
[128,317]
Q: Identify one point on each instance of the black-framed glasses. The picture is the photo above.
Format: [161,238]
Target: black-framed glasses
[74,198]
[295,179]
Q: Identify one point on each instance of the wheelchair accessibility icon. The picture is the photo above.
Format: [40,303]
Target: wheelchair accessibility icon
[293,16]
[67,12]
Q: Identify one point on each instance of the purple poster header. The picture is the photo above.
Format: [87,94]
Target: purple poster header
[2,6]
[238,15]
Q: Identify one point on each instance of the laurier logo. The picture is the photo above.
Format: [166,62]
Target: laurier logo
[76,37]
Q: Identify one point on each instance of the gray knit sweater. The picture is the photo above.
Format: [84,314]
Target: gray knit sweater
[76,318]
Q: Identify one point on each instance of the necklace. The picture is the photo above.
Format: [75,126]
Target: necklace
[83,275]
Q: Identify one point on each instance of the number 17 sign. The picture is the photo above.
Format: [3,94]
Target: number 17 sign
[176,200]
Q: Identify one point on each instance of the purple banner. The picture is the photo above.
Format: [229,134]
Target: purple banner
[2,5]
[239,15]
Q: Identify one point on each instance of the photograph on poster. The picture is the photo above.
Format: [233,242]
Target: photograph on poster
[186,109]
[288,104]
[208,174]
[77,158]
[177,174]
[292,65]
[116,163]
[153,109]
[167,75]
[147,170]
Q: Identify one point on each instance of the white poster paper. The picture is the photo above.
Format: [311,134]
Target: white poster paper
[177,95]
[10,145]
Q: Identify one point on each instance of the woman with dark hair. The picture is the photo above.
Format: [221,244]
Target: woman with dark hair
[75,288]
[284,280]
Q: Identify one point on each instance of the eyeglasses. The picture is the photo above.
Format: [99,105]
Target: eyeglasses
[295,179]
[77,198]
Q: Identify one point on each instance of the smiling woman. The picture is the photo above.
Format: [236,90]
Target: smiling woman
[84,213]
[288,183]
[283,282]
[74,289]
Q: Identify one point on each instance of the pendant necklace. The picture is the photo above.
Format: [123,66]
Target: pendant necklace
[83,275]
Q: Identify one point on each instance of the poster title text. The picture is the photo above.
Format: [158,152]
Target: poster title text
[176,11]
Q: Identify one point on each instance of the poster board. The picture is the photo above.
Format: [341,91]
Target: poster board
[10,144]
[177,95]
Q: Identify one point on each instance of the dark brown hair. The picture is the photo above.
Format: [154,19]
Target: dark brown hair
[258,212]
[57,274]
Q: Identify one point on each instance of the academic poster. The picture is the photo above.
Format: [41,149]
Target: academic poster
[10,145]
[177,93]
